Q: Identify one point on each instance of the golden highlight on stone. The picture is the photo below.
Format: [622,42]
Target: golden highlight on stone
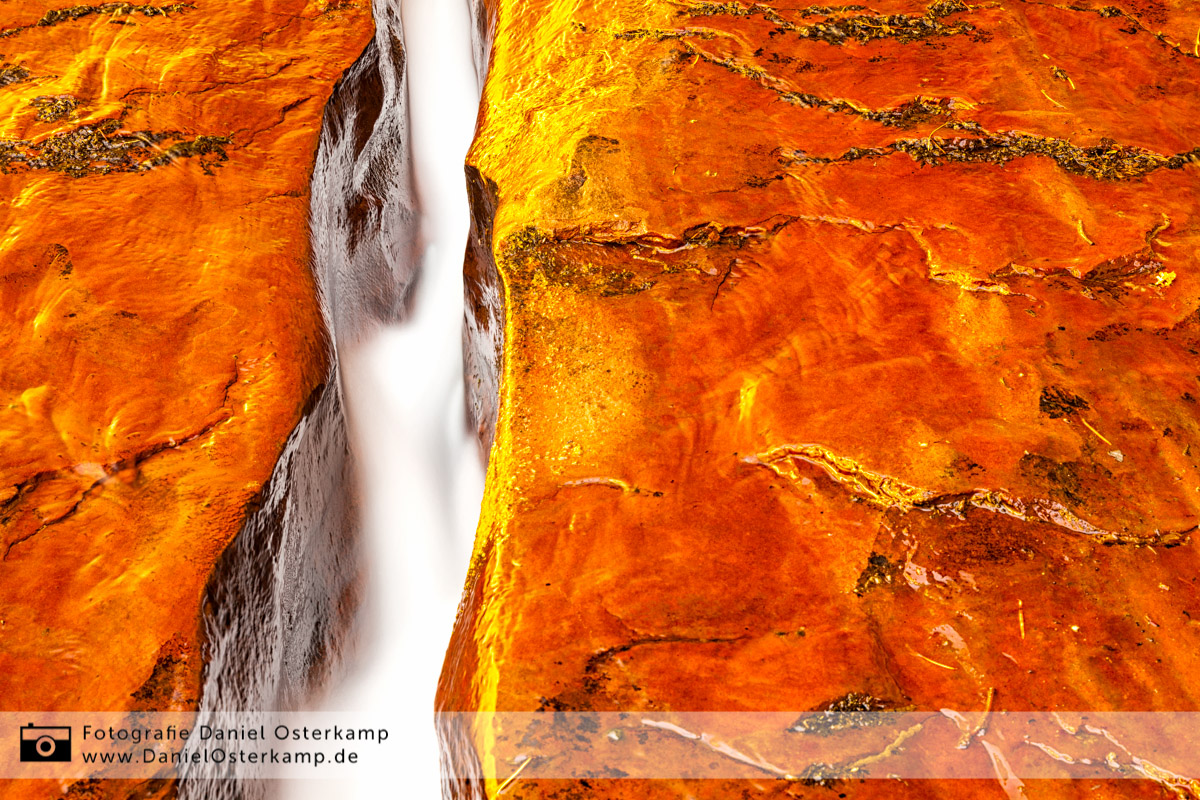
[878,323]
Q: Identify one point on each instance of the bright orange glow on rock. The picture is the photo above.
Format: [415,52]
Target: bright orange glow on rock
[160,326]
[839,352]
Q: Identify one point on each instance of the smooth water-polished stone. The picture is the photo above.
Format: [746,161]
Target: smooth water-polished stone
[168,377]
[834,358]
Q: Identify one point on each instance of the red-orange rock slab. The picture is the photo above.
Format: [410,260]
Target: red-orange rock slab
[840,352]
[161,328]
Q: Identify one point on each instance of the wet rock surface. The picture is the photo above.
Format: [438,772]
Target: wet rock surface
[836,352]
[177,523]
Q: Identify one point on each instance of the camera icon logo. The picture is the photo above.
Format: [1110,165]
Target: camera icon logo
[45,744]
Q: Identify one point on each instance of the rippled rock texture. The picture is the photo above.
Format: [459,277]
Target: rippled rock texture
[168,376]
[841,353]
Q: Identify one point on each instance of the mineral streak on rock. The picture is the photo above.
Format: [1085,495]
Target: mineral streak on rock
[168,375]
[878,322]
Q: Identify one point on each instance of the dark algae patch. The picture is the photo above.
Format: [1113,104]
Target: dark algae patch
[1106,161]
[843,24]
[12,73]
[1056,402]
[878,572]
[103,148]
[910,114]
[57,16]
[530,251]
[838,30]
[51,108]
[906,115]
[853,710]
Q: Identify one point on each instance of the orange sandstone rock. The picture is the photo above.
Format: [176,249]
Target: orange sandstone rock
[162,340]
[839,352]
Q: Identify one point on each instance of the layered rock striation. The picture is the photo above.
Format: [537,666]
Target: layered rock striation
[835,357]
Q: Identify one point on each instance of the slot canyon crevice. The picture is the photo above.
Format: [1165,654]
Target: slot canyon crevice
[824,359]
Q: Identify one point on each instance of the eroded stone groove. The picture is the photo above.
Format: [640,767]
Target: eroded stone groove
[888,493]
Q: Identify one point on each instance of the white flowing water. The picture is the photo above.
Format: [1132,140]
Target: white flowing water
[419,467]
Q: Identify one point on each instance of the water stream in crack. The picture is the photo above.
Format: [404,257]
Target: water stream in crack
[419,466]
